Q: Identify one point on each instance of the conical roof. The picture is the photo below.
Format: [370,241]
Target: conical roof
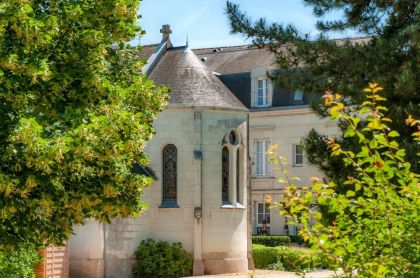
[191,82]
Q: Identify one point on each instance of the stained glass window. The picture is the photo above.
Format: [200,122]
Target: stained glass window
[225,174]
[238,169]
[169,173]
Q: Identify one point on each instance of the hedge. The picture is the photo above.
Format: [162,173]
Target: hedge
[271,241]
[264,256]
[286,258]
[297,240]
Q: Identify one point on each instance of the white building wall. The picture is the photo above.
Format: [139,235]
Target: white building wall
[168,224]
[285,127]
[224,229]
[222,242]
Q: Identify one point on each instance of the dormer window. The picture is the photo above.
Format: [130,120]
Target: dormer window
[262,97]
[261,88]
[298,95]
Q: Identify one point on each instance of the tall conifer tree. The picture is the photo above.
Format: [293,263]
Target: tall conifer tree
[387,53]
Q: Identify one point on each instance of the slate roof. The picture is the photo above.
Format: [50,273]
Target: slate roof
[240,85]
[147,50]
[235,59]
[191,82]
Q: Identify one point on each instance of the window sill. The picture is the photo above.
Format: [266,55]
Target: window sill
[228,205]
[262,177]
[169,204]
[297,165]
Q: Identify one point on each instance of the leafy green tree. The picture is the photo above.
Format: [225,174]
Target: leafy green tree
[388,54]
[375,231]
[75,114]
[19,263]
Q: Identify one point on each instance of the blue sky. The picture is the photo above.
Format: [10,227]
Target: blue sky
[206,24]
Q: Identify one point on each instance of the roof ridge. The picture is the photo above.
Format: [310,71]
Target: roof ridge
[151,44]
[231,46]
[252,45]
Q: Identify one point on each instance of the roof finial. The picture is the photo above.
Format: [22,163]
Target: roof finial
[186,44]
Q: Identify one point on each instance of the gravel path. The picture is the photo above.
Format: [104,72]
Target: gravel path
[271,274]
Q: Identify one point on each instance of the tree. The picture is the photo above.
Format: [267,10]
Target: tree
[75,114]
[388,55]
[375,233]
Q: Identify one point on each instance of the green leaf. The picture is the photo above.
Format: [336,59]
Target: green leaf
[393,134]
[350,193]
[316,186]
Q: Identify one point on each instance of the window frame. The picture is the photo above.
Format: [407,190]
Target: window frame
[226,195]
[232,170]
[295,155]
[169,201]
[265,163]
[266,211]
[264,90]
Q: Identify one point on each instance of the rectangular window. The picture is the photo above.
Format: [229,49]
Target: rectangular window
[261,157]
[263,213]
[262,98]
[298,155]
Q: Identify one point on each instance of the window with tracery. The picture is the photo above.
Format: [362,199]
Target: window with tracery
[238,171]
[225,174]
[169,156]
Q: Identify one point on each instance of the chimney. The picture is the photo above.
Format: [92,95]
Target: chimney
[166,31]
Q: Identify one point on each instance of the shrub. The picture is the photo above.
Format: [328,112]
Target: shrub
[276,266]
[288,259]
[298,259]
[375,210]
[271,241]
[19,263]
[264,256]
[297,240]
[162,260]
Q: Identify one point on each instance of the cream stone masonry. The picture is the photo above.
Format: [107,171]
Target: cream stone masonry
[201,115]
[220,199]
[285,127]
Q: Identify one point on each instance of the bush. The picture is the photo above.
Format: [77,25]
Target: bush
[271,241]
[276,266]
[298,259]
[264,256]
[286,258]
[19,263]
[297,240]
[376,208]
[162,260]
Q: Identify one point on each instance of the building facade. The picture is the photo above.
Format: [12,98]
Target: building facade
[209,161]
[276,116]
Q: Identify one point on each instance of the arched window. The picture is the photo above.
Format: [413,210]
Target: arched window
[238,171]
[225,174]
[169,157]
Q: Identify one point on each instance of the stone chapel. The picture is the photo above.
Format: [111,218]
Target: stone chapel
[199,157]
[208,157]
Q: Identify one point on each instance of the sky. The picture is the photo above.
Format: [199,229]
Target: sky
[206,24]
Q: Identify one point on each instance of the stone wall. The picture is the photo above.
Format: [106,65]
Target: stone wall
[218,240]
[284,127]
